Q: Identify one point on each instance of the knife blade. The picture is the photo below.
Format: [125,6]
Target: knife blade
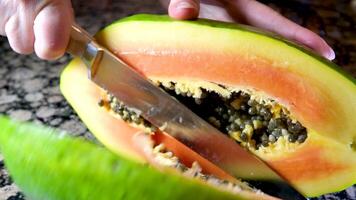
[173,118]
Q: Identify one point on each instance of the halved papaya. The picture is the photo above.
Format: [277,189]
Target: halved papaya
[292,108]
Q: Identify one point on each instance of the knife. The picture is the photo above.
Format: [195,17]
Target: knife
[173,118]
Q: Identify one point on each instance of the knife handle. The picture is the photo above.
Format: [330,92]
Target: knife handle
[82,45]
[79,39]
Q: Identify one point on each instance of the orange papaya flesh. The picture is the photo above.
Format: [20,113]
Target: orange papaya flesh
[112,131]
[118,135]
[161,49]
[84,97]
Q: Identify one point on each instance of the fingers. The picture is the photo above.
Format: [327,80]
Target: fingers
[214,10]
[40,26]
[52,29]
[259,15]
[255,14]
[312,40]
[183,9]
[18,28]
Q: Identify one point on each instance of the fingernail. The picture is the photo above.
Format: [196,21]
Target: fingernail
[185,5]
[331,55]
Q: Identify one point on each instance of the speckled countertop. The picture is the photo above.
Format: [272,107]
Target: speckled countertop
[29,87]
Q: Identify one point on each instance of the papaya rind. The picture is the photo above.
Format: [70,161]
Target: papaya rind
[242,27]
[48,165]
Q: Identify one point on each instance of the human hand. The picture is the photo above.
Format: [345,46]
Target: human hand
[250,12]
[42,26]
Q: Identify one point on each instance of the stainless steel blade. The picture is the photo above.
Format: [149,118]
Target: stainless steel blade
[166,113]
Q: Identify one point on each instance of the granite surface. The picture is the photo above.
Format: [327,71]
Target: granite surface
[29,87]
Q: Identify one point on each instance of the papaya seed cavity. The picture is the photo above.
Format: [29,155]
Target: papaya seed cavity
[126,114]
[253,123]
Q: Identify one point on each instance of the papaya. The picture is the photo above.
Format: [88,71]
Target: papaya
[48,164]
[290,107]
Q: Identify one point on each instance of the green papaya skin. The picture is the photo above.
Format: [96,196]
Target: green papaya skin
[48,165]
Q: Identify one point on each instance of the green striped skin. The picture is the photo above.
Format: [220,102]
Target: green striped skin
[48,165]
